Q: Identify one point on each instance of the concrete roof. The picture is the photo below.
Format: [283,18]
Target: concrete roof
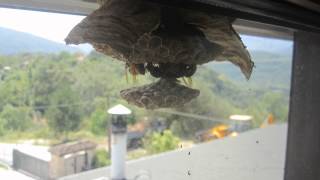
[257,154]
[41,152]
[72,147]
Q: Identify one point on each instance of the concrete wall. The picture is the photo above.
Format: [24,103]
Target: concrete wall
[70,164]
[57,167]
[31,165]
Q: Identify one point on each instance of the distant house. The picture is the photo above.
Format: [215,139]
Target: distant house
[57,161]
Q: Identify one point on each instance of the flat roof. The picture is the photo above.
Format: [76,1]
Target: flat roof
[39,152]
[257,154]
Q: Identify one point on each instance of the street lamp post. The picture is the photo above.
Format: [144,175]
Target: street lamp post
[119,115]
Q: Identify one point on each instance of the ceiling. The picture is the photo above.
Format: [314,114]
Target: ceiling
[254,17]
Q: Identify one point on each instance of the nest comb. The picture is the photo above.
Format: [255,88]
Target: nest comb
[167,42]
[138,31]
[164,93]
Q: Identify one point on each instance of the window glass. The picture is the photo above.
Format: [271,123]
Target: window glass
[54,101]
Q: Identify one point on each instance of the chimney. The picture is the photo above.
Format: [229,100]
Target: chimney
[119,115]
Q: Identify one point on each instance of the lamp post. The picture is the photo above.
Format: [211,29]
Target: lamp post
[119,115]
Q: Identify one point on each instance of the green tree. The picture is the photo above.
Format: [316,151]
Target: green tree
[161,142]
[269,103]
[47,78]
[208,104]
[15,118]
[64,112]
[278,105]
[14,88]
[99,122]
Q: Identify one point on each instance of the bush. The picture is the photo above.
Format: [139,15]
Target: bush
[64,115]
[161,142]
[15,118]
[99,122]
[101,158]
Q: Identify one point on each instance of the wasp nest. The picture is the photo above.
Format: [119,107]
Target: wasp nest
[167,42]
[160,94]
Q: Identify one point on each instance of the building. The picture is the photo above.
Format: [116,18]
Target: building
[57,161]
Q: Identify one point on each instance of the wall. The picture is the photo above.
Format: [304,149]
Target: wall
[32,165]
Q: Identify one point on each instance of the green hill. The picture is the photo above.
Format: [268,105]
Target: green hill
[13,42]
[272,71]
[49,94]
[272,57]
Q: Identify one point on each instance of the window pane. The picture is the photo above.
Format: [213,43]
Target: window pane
[54,101]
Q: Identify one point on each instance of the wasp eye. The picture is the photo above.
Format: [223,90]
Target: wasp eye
[190,69]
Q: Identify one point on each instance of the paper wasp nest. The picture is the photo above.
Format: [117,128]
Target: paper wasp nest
[162,93]
[167,42]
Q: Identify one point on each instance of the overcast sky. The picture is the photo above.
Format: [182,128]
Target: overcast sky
[51,26]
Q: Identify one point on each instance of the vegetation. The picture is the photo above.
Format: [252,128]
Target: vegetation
[272,71]
[101,158]
[161,142]
[56,96]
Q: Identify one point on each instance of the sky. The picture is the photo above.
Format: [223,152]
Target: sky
[55,27]
[50,26]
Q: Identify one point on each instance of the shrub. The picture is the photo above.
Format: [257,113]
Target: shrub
[161,142]
[15,118]
[99,122]
[101,158]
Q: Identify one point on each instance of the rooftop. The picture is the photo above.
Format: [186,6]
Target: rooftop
[257,154]
[41,152]
[72,147]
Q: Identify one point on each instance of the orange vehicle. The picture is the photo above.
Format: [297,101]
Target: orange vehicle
[215,132]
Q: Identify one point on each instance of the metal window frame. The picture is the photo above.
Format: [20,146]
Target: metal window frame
[286,19]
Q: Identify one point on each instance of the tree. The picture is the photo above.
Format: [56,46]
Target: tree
[269,103]
[48,77]
[14,88]
[207,104]
[161,142]
[15,118]
[99,122]
[64,113]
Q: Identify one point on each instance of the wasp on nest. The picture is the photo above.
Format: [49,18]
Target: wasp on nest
[167,42]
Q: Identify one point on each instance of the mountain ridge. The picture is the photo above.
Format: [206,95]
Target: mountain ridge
[13,42]
[272,57]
